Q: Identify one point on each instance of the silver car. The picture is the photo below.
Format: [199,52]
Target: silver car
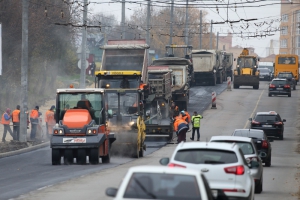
[250,152]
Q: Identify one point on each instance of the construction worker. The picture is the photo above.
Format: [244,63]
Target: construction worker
[125,83]
[51,120]
[196,125]
[5,120]
[16,122]
[181,127]
[174,110]
[34,119]
[142,85]
[188,116]
[84,103]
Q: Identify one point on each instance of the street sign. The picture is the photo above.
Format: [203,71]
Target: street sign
[86,64]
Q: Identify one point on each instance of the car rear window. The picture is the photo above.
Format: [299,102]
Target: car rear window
[266,118]
[246,147]
[206,156]
[250,134]
[279,82]
[264,70]
[285,76]
[162,186]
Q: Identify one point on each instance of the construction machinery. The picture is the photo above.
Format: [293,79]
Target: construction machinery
[158,121]
[208,69]
[181,78]
[174,50]
[81,129]
[246,73]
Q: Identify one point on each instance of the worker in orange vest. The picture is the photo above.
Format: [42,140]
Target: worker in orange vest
[5,120]
[16,122]
[187,115]
[34,119]
[181,127]
[174,110]
[142,85]
[50,120]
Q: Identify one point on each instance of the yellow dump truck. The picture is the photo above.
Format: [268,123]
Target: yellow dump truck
[246,73]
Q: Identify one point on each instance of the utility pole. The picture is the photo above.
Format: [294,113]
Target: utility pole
[200,39]
[83,46]
[123,19]
[171,22]
[24,73]
[148,29]
[210,36]
[186,25]
[217,41]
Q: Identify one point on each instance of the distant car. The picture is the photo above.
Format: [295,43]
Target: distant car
[279,87]
[270,122]
[223,165]
[289,76]
[158,182]
[261,141]
[265,74]
[248,148]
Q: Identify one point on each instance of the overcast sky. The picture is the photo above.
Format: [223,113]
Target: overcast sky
[264,15]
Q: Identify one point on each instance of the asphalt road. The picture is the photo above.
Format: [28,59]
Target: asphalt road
[30,171]
[233,110]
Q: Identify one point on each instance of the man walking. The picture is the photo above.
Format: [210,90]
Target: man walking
[34,119]
[196,125]
[5,120]
[50,120]
[16,122]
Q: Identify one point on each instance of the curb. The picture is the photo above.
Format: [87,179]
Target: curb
[25,150]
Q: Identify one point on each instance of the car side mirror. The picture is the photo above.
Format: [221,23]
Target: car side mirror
[250,119]
[284,120]
[111,192]
[164,161]
[253,164]
[219,195]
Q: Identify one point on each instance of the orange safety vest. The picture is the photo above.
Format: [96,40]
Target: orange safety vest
[188,116]
[46,118]
[4,121]
[177,122]
[16,116]
[142,86]
[34,114]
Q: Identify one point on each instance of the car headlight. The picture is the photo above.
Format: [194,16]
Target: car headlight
[131,123]
[91,131]
[237,66]
[58,131]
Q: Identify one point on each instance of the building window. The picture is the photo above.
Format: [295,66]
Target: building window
[298,29]
[298,42]
[283,43]
[298,15]
[284,18]
[298,52]
[282,53]
[284,30]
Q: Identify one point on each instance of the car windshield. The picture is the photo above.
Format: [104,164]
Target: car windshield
[285,75]
[263,70]
[266,118]
[162,186]
[246,147]
[206,156]
[279,82]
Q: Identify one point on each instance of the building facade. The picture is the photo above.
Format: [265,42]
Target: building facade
[290,27]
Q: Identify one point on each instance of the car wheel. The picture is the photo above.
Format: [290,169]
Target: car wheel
[281,137]
[270,95]
[289,95]
[294,87]
[268,162]
[259,187]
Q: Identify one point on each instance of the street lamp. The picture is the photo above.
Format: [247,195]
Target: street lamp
[80,63]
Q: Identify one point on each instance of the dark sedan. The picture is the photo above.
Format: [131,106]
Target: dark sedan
[279,87]
[289,77]
[260,140]
[264,74]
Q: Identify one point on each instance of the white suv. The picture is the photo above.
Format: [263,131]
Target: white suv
[250,153]
[223,165]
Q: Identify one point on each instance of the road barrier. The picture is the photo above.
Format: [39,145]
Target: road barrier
[213,100]
[228,83]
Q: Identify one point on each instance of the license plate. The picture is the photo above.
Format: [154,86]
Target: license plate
[266,125]
[279,88]
[74,140]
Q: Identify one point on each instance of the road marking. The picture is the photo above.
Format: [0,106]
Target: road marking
[254,108]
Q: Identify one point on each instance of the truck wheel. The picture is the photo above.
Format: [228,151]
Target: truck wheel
[94,156]
[106,159]
[68,157]
[294,87]
[55,157]
[141,153]
[81,157]
[235,86]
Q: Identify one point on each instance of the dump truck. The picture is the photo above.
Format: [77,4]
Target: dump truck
[227,63]
[158,121]
[81,127]
[208,69]
[125,102]
[182,51]
[246,73]
[120,55]
[287,63]
[181,78]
